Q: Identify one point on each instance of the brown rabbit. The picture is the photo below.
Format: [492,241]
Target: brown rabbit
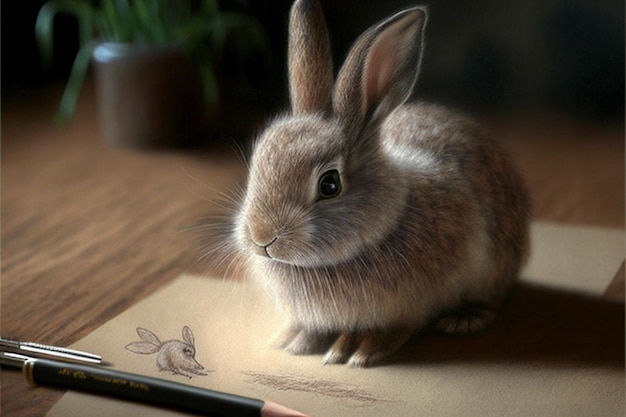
[368,218]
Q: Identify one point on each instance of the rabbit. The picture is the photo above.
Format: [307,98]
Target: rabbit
[369,218]
[175,356]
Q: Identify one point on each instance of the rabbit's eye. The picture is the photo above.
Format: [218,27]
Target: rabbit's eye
[187,352]
[329,184]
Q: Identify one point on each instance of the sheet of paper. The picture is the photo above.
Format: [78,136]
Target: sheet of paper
[553,352]
[581,258]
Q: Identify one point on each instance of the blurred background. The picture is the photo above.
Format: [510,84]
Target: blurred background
[481,55]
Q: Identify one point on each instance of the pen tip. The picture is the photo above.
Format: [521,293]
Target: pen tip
[271,409]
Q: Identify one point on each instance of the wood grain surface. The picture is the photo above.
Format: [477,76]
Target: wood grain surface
[88,231]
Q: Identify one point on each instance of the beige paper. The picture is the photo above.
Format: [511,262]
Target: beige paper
[581,258]
[552,353]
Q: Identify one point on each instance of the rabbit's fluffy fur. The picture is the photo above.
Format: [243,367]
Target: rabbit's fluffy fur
[368,218]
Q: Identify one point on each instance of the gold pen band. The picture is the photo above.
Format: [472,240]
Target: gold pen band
[27,370]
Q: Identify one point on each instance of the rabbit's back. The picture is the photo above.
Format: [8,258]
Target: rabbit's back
[462,181]
[431,139]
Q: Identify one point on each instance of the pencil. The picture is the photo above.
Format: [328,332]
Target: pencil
[149,390]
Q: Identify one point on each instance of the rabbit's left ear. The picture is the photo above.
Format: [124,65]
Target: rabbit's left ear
[188,336]
[381,68]
[310,60]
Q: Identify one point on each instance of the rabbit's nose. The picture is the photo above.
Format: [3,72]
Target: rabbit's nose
[261,246]
[261,234]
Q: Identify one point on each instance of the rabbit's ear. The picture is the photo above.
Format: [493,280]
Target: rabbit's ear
[144,348]
[381,68]
[147,336]
[188,336]
[310,61]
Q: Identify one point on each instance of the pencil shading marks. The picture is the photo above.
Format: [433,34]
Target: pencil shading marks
[176,356]
[291,382]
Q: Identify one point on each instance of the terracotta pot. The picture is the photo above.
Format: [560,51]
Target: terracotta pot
[147,96]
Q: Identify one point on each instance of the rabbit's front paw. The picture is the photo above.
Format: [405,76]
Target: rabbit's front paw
[365,349]
[299,341]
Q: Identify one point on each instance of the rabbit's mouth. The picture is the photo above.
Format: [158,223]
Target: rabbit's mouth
[298,254]
[263,249]
[274,250]
[281,250]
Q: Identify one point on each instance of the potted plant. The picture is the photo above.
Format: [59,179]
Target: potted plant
[155,62]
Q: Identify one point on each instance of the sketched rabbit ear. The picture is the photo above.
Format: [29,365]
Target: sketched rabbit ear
[147,336]
[144,348]
[150,342]
[188,336]
[381,68]
[310,60]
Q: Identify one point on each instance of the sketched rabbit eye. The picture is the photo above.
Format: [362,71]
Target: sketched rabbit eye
[329,184]
[187,351]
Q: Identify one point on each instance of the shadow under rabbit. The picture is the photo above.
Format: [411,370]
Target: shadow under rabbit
[538,325]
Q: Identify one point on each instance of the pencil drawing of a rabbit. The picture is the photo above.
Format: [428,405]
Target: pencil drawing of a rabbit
[176,356]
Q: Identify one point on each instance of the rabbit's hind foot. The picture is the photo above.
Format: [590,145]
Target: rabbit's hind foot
[471,318]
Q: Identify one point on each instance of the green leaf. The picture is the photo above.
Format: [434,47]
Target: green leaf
[143,17]
[114,20]
[108,21]
[75,82]
[44,25]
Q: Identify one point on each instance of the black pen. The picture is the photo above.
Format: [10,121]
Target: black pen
[143,389]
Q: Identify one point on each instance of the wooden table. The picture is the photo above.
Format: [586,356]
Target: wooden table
[88,231]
